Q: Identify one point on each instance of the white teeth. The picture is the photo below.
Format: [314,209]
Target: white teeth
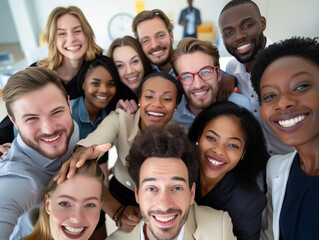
[291,122]
[51,139]
[165,219]
[132,78]
[243,47]
[74,231]
[156,114]
[214,162]
[73,48]
[157,52]
[100,97]
[199,93]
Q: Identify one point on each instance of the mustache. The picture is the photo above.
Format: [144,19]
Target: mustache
[168,211]
[156,49]
[57,132]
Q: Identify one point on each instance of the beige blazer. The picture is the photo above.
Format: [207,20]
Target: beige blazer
[203,223]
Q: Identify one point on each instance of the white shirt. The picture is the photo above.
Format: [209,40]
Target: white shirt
[179,237]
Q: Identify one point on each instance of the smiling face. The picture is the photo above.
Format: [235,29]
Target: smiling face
[290,100]
[70,39]
[200,94]
[44,121]
[156,41]
[74,211]
[242,31]
[164,196]
[220,147]
[157,102]
[129,66]
[99,89]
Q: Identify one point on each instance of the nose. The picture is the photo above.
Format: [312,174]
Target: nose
[157,101]
[240,34]
[77,215]
[48,126]
[103,88]
[218,148]
[165,201]
[197,82]
[284,101]
[154,43]
[130,69]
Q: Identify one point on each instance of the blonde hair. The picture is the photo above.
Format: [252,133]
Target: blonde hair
[55,58]
[41,229]
[191,45]
[29,80]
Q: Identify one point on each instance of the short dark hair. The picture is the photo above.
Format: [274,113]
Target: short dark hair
[256,155]
[235,3]
[298,46]
[166,76]
[169,141]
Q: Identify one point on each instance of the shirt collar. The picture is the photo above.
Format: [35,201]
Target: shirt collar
[179,237]
[84,114]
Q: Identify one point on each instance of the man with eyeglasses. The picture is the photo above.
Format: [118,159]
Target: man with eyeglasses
[197,64]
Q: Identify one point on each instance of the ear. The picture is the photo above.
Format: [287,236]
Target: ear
[263,23]
[69,103]
[171,35]
[193,193]
[219,74]
[47,204]
[12,120]
[136,194]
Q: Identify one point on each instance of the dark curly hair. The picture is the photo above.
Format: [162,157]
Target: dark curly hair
[235,3]
[256,155]
[166,76]
[170,141]
[298,46]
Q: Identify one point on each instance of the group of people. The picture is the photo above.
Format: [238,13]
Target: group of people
[195,159]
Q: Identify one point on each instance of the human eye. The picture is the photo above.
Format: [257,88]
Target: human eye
[90,205]
[57,112]
[161,35]
[61,34]
[119,66]
[31,119]
[247,25]
[145,41]
[232,145]
[150,189]
[205,72]
[111,84]
[186,78]
[135,61]
[302,87]
[268,97]
[211,138]
[64,204]
[228,34]
[78,31]
[95,84]
[178,188]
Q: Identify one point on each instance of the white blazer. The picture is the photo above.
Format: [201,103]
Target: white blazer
[278,168]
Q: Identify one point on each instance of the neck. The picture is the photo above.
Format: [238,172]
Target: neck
[93,111]
[207,184]
[250,64]
[309,158]
[165,68]
[69,68]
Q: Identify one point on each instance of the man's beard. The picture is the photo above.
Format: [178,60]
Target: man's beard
[258,44]
[164,61]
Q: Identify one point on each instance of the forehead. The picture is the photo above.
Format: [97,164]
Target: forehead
[39,101]
[123,52]
[163,169]
[67,20]
[159,84]
[235,15]
[150,27]
[193,62]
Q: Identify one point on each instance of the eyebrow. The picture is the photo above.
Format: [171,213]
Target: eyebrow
[152,91]
[74,199]
[234,138]
[293,76]
[62,29]
[199,69]
[35,115]
[174,178]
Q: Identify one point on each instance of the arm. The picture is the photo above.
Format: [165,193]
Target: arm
[182,21]
[198,19]
[4,149]
[17,197]
[226,86]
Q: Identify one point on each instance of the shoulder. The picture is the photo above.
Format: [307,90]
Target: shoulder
[276,162]
[241,100]
[232,65]
[120,235]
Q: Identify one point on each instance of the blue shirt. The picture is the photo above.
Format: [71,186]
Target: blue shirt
[24,175]
[156,69]
[81,116]
[183,116]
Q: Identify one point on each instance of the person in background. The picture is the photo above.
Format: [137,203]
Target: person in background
[70,212]
[286,79]
[242,27]
[190,20]
[197,63]
[159,95]
[232,163]
[39,107]
[164,165]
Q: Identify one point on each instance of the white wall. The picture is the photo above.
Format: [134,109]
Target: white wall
[8,33]
[285,18]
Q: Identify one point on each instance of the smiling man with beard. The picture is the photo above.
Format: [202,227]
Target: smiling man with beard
[154,31]
[242,27]
[164,165]
[39,107]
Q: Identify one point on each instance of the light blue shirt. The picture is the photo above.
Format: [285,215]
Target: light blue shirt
[183,116]
[190,16]
[156,69]
[81,116]
[179,237]
[24,175]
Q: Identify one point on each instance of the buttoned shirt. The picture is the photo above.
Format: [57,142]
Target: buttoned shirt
[24,175]
[156,69]
[185,117]
[179,237]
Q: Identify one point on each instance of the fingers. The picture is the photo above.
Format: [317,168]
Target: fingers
[130,218]
[61,176]
[128,106]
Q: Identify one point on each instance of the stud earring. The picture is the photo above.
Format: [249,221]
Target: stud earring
[196,143]
[138,105]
